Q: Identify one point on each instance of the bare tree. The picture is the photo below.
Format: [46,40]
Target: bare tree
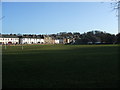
[116,6]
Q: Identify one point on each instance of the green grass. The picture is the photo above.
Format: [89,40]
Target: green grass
[61,66]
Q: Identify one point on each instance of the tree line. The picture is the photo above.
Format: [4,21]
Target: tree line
[98,37]
[93,37]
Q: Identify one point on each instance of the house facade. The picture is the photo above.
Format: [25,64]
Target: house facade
[56,41]
[9,39]
[66,40]
[62,41]
[49,40]
[31,41]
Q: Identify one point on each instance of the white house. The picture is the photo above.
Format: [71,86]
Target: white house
[56,41]
[9,39]
[62,41]
[31,40]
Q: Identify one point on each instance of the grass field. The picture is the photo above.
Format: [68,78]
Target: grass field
[61,66]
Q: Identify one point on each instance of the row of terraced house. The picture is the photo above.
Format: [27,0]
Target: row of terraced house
[32,39]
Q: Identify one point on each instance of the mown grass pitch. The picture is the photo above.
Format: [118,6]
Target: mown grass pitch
[61,66]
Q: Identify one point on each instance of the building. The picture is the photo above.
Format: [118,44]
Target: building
[9,39]
[49,40]
[31,40]
[66,40]
[56,41]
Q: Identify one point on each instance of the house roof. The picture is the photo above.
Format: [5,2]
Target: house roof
[8,36]
[38,37]
[15,36]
